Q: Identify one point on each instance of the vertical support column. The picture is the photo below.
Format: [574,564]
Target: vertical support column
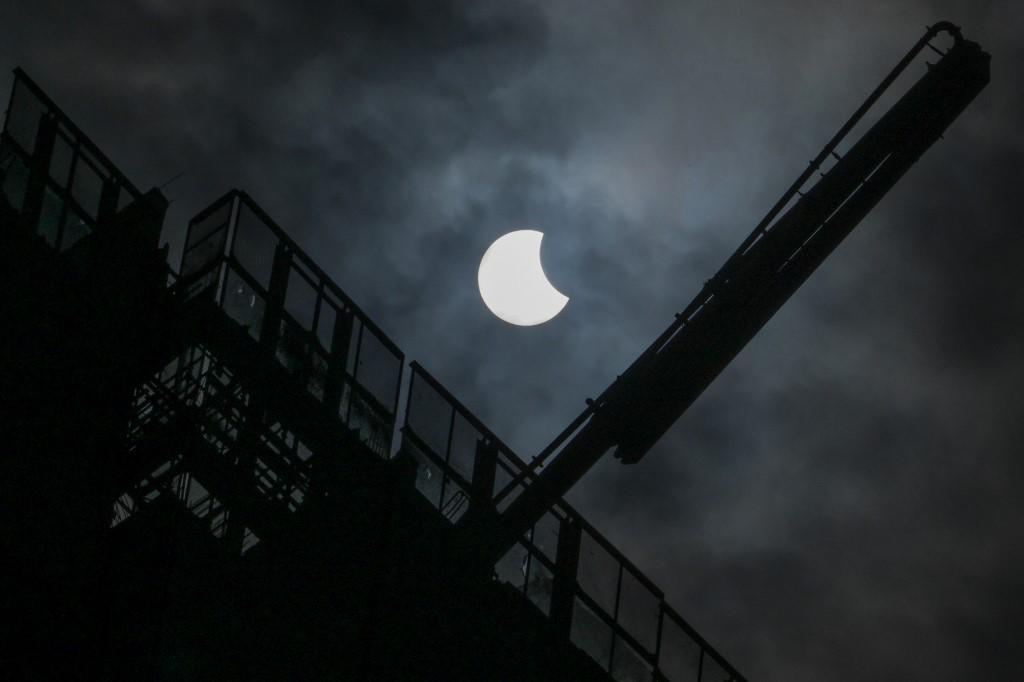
[271,332]
[480,516]
[485,463]
[108,201]
[341,340]
[248,440]
[38,171]
[658,676]
[567,559]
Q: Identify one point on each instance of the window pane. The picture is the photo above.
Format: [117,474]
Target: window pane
[217,220]
[300,299]
[713,671]
[429,416]
[638,611]
[590,633]
[50,216]
[598,572]
[205,241]
[511,568]
[292,347]
[325,324]
[680,655]
[628,665]
[428,476]
[203,254]
[254,245]
[60,161]
[243,304]
[504,474]
[23,118]
[539,585]
[545,535]
[87,187]
[463,449]
[378,369]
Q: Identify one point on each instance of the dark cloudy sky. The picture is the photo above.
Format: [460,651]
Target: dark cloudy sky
[845,503]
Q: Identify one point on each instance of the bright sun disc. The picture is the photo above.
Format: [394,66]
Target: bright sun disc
[513,284]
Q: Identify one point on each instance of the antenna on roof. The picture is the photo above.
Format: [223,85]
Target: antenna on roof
[171,180]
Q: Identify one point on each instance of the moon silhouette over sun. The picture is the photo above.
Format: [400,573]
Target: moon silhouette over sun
[513,284]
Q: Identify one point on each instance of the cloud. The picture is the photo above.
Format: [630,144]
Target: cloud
[842,503]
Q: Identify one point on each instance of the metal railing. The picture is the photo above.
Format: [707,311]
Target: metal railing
[236,256]
[194,418]
[52,173]
[619,617]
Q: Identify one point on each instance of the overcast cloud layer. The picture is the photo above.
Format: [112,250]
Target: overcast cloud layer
[845,502]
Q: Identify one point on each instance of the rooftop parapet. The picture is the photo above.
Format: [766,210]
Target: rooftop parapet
[52,176]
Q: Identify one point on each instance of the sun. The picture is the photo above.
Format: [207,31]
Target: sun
[512,282]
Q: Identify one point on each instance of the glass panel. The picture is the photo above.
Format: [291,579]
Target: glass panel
[204,284]
[203,254]
[345,404]
[539,585]
[353,345]
[428,476]
[628,665]
[217,220]
[292,347]
[243,304]
[50,216]
[60,162]
[15,181]
[638,611]
[325,324]
[545,535]
[300,299]
[87,187]
[590,633]
[680,655]
[511,568]
[502,477]
[249,540]
[316,377]
[429,416]
[195,494]
[378,369]
[23,118]
[713,671]
[463,448]
[254,245]
[598,572]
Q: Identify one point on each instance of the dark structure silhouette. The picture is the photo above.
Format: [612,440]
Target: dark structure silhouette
[203,476]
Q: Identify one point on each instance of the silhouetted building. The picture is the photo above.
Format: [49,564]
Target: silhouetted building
[203,476]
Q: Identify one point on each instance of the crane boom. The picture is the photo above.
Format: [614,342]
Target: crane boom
[760,276]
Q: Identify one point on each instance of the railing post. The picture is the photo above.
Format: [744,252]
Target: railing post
[271,332]
[563,591]
[38,171]
[108,201]
[485,463]
[341,339]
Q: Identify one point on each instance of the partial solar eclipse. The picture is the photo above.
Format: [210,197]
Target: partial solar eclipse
[513,284]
